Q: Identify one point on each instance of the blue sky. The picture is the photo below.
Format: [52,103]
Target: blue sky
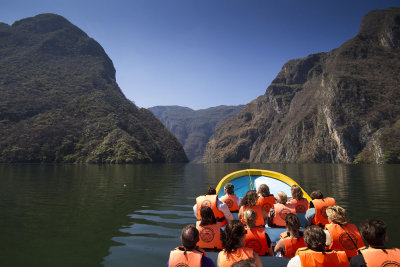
[204,53]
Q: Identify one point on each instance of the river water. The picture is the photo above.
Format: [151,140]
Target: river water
[132,215]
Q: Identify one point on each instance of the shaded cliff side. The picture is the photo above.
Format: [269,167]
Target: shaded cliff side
[339,106]
[193,128]
[60,101]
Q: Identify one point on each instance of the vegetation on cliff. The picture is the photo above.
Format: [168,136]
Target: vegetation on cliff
[60,101]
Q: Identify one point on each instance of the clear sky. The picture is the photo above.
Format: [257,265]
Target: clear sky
[204,53]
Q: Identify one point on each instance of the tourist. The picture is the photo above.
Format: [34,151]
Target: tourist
[230,199]
[232,239]
[220,209]
[376,254]
[345,236]
[209,229]
[292,239]
[189,254]
[300,202]
[316,213]
[280,211]
[266,200]
[249,201]
[256,237]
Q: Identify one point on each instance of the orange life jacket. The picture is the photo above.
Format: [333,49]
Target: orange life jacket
[311,258]
[381,257]
[231,202]
[209,236]
[260,219]
[256,239]
[210,201]
[301,205]
[227,259]
[281,211]
[292,244]
[266,202]
[345,237]
[178,257]
[320,210]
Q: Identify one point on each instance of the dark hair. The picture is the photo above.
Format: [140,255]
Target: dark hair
[316,195]
[230,188]
[264,190]
[315,238]
[297,193]
[373,231]
[211,191]
[207,216]
[232,235]
[190,236]
[245,263]
[293,224]
[250,199]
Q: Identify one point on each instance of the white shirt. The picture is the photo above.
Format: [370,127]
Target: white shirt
[294,262]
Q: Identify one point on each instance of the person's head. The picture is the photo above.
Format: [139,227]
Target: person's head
[245,263]
[207,216]
[264,190]
[233,236]
[316,195]
[297,193]
[250,217]
[293,223]
[249,199]
[189,236]
[315,238]
[374,232]
[211,191]
[281,197]
[229,189]
[337,215]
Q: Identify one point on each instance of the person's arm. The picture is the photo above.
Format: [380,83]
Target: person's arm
[195,211]
[207,262]
[328,238]
[225,210]
[258,260]
[310,214]
[280,246]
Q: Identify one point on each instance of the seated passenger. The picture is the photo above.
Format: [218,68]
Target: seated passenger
[345,236]
[232,239]
[189,254]
[266,200]
[376,254]
[209,229]
[298,200]
[280,211]
[220,209]
[256,237]
[315,254]
[292,239]
[316,213]
[249,201]
[230,199]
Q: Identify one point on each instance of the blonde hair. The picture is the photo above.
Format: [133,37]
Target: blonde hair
[249,216]
[297,193]
[281,197]
[337,214]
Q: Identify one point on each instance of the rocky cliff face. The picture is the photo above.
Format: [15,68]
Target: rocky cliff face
[193,128]
[60,102]
[340,106]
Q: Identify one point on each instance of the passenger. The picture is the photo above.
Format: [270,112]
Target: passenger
[298,200]
[256,237]
[249,201]
[280,211]
[376,254]
[245,263]
[316,213]
[292,239]
[232,239]
[220,209]
[230,199]
[266,199]
[189,254]
[345,236]
[209,229]
[315,254]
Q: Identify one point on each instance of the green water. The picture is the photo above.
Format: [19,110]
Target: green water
[131,215]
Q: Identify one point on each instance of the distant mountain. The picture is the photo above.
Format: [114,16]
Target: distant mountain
[339,106]
[193,128]
[60,101]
